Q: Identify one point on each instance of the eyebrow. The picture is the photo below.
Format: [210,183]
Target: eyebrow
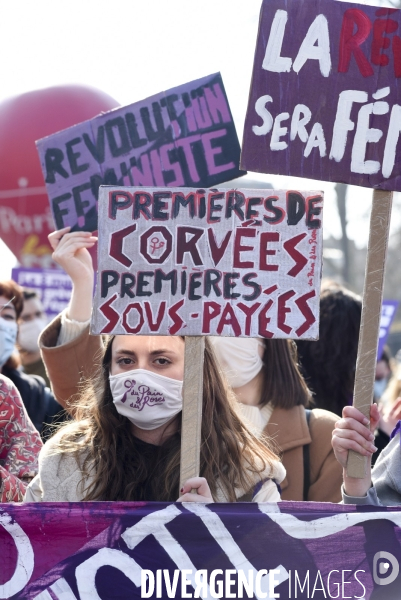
[7,306]
[9,303]
[153,353]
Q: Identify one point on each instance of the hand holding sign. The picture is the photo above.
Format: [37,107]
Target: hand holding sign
[195,489]
[322,106]
[71,253]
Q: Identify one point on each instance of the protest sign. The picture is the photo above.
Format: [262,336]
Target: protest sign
[325,95]
[52,285]
[389,309]
[323,104]
[182,137]
[191,262]
[157,550]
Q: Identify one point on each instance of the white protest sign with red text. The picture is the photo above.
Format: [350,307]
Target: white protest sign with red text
[182,261]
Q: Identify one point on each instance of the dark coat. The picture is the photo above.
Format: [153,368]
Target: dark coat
[39,401]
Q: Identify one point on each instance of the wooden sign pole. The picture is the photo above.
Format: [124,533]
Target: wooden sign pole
[371,312]
[192,408]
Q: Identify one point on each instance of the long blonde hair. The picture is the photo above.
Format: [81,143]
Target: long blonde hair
[103,444]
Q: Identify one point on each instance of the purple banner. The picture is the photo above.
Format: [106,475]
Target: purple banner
[52,285]
[325,94]
[92,551]
[389,309]
[183,137]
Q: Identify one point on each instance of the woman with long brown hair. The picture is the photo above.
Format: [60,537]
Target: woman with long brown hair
[275,400]
[124,443]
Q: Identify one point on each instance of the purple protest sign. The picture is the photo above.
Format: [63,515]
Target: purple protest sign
[101,550]
[183,137]
[325,94]
[389,309]
[52,285]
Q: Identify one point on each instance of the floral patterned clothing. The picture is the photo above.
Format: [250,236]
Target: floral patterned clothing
[20,444]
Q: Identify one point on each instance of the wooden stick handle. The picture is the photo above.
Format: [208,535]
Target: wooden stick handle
[371,312]
[192,408]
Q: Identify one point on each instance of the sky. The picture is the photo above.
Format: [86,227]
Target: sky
[132,49]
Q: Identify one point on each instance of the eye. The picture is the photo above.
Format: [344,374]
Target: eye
[162,361]
[7,317]
[124,361]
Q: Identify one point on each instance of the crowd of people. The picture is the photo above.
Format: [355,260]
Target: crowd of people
[93,418]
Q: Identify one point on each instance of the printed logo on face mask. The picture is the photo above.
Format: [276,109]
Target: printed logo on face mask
[143,395]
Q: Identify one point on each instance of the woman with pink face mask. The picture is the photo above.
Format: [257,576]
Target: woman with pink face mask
[125,441]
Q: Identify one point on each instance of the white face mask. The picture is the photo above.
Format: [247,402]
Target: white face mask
[29,333]
[239,358]
[147,399]
[8,337]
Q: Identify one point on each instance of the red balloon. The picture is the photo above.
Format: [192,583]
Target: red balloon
[25,217]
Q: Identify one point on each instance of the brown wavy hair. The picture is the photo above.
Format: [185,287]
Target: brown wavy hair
[283,384]
[102,441]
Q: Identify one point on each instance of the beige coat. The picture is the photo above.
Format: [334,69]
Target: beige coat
[290,431]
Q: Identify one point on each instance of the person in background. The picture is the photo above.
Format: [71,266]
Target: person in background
[383,373]
[274,398]
[125,441]
[20,444]
[389,405]
[39,401]
[31,323]
[328,365]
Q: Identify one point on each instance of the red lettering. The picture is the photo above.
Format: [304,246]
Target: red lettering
[249,311]
[383,12]
[216,251]
[111,315]
[184,245]
[264,320]
[283,310]
[175,317]
[380,41]
[265,238]
[397,55]
[155,326]
[299,259]
[350,42]
[116,245]
[211,310]
[239,234]
[134,306]
[228,318]
[303,306]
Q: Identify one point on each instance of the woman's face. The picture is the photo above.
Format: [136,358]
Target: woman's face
[161,354]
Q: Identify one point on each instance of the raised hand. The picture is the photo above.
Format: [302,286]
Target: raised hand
[71,253]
